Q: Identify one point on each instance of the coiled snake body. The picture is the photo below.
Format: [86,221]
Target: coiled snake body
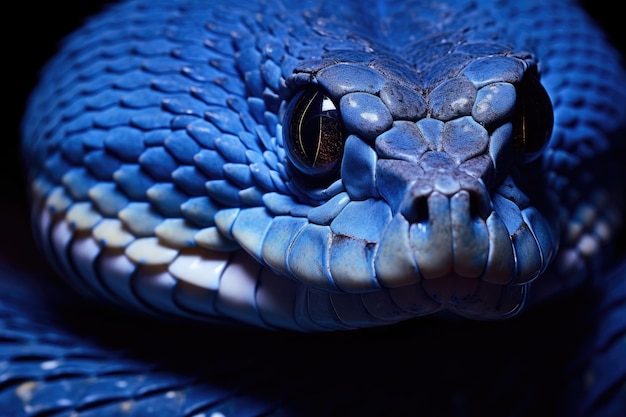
[312,167]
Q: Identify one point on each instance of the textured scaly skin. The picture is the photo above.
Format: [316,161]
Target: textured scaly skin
[146,162]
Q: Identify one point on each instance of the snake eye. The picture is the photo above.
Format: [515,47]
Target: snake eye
[533,118]
[313,134]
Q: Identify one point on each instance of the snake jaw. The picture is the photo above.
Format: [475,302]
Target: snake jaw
[462,236]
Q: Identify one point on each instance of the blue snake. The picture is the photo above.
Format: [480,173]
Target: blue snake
[365,208]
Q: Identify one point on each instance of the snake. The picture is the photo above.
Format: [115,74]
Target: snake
[323,208]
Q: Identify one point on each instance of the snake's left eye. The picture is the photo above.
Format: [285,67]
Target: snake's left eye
[533,119]
[313,133]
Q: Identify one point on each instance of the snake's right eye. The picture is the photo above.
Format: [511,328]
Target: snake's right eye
[533,119]
[313,133]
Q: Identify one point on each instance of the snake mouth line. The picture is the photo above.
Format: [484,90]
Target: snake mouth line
[475,298]
[469,265]
[454,239]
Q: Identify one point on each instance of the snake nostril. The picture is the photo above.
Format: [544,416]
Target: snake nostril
[479,204]
[417,211]
[476,206]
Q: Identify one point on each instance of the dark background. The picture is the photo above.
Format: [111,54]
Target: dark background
[31,33]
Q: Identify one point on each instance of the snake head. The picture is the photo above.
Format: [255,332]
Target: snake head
[420,191]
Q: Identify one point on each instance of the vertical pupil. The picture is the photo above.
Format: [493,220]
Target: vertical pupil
[318,134]
[315,140]
[534,118]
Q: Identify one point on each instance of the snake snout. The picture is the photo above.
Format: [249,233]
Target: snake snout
[448,231]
